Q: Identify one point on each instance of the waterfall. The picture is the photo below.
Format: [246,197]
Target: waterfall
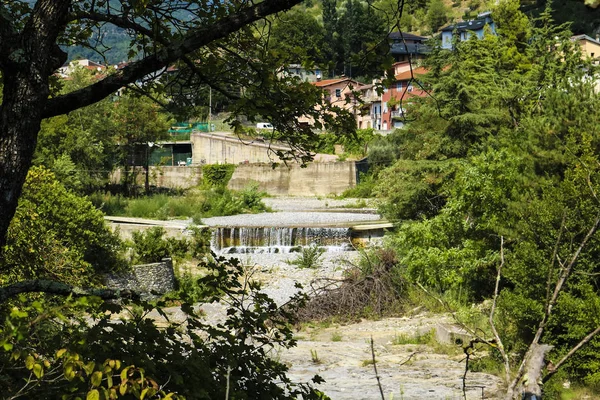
[278,239]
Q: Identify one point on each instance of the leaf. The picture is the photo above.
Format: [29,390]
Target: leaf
[93,395]
[124,375]
[29,361]
[38,370]
[60,353]
[89,367]
[123,388]
[96,379]
[143,394]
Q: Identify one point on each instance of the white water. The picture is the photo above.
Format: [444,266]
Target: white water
[247,240]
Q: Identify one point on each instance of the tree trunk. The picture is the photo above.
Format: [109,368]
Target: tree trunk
[20,118]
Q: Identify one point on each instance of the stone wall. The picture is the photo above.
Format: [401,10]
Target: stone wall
[156,278]
[316,179]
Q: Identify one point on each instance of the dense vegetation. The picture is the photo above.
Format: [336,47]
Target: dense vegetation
[495,190]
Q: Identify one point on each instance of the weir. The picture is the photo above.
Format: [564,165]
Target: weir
[244,240]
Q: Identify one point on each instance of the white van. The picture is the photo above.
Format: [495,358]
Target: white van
[264,125]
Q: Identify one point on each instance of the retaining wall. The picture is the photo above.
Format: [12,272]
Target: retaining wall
[316,179]
[156,278]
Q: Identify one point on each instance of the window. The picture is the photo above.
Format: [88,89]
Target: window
[399,86]
[410,88]
[338,92]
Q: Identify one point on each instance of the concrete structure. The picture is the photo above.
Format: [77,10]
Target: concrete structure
[150,279]
[222,148]
[165,176]
[317,179]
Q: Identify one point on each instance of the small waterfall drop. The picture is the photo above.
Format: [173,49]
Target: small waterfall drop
[244,240]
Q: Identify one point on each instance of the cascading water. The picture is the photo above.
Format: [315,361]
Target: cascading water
[246,240]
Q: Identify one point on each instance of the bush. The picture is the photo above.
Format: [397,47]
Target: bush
[56,234]
[76,350]
[217,175]
[309,257]
[149,246]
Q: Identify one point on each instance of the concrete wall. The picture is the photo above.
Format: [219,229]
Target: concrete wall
[167,177]
[157,278]
[219,148]
[318,179]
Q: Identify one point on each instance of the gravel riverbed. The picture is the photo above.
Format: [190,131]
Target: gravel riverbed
[341,353]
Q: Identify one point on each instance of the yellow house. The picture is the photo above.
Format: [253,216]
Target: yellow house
[590,47]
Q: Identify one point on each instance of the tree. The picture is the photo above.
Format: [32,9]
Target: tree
[136,123]
[518,224]
[222,35]
[436,15]
[298,37]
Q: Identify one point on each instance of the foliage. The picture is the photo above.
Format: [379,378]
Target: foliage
[309,257]
[515,161]
[149,246]
[54,351]
[194,204]
[57,235]
[355,144]
[217,175]
[436,15]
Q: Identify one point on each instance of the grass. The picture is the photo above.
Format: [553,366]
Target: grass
[309,257]
[420,338]
[194,204]
[336,337]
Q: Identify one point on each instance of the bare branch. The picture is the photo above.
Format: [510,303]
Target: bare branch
[375,368]
[552,370]
[53,287]
[499,344]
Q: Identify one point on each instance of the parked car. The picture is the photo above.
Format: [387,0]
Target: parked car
[264,125]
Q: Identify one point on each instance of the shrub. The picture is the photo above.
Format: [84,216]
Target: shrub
[309,257]
[76,350]
[56,234]
[149,246]
[217,175]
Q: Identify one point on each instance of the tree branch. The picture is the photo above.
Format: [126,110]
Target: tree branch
[53,287]
[499,344]
[194,40]
[551,302]
[552,370]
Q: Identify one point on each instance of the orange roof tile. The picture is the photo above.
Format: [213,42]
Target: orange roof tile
[328,82]
[406,75]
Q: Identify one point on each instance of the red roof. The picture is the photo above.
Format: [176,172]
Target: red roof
[328,82]
[406,75]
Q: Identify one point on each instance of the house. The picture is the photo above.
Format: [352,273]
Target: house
[590,47]
[308,75]
[339,92]
[396,97]
[90,65]
[465,29]
[407,47]
[370,108]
